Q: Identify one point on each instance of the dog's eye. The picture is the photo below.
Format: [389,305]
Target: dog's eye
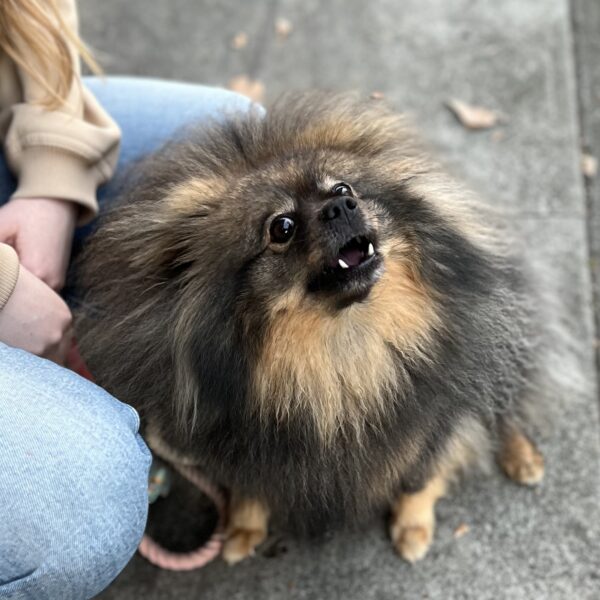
[282,229]
[341,189]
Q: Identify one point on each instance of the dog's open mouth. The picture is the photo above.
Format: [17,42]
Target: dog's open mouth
[350,271]
[360,249]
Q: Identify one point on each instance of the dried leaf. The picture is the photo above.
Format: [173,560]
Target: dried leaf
[473,117]
[239,41]
[589,165]
[283,28]
[252,88]
[461,530]
[377,95]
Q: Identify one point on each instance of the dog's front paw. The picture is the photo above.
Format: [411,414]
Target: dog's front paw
[411,541]
[248,527]
[413,520]
[241,543]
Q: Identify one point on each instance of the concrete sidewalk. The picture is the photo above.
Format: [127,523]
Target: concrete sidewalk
[537,63]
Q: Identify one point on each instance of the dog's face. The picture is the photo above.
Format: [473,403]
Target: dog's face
[326,237]
[312,230]
[307,234]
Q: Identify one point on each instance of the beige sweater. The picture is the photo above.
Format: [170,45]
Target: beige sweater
[64,153]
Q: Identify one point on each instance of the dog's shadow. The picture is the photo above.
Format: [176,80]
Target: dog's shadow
[184,519]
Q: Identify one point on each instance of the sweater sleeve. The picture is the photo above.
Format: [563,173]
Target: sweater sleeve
[9,272]
[62,153]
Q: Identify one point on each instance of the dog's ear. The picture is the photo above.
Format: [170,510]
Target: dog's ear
[162,243]
[195,197]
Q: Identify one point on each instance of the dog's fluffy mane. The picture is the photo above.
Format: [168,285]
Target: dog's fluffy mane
[447,345]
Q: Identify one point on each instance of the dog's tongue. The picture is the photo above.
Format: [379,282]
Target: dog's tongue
[351,256]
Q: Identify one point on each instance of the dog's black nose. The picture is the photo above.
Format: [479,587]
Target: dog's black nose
[337,207]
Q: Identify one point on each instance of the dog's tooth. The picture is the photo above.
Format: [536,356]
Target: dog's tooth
[342,264]
[371,250]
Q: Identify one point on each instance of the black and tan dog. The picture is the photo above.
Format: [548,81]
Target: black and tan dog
[307,307]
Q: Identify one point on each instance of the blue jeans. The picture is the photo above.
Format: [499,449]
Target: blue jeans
[73,468]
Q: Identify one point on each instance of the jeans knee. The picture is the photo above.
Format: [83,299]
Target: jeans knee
[74,508]
[75,552]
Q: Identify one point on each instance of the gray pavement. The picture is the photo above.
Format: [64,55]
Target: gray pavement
[586,33]
[539,64]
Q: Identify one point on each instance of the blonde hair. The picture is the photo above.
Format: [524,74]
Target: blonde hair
[38,26]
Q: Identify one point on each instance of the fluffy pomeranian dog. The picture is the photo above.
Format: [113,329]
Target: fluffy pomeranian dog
[308,308]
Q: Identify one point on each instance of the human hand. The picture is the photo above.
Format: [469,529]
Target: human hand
[41,231]
[36,319]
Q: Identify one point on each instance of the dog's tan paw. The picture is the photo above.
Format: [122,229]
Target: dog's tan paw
[248,527]
[413,520]
[521,461]
[412,543]
[526,471]
[241,543]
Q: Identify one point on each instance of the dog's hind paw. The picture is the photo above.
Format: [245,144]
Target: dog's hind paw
[521,460]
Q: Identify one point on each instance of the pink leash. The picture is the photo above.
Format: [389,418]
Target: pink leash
[186,561]
[148,548]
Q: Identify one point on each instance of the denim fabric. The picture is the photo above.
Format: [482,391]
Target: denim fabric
[73,469]
[73,479]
